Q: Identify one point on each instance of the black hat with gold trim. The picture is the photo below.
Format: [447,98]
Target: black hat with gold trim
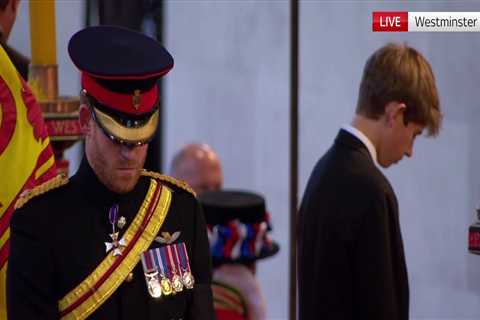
[120,69]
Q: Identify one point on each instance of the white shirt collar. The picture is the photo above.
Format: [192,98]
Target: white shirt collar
[362,137]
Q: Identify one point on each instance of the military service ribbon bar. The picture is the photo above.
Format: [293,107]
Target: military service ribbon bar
[167,270]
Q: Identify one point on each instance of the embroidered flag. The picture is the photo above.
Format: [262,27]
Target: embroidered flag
[26,157]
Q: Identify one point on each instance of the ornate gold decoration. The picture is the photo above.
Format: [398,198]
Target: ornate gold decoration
[51,184]
[161,177]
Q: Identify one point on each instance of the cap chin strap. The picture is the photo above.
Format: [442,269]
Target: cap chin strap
[129,136]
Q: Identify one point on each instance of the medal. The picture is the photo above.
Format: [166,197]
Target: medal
[177,283]
[187,279]
[167,269]
[121,222]
[187,276]
[174,263]
[116,245]
[166,286]
[156,259]
[153,285]
[151,276]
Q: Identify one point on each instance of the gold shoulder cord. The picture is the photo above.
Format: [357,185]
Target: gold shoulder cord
[51,184]
[161,177]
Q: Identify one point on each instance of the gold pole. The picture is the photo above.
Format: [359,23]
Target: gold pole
[42,31]
[60,113]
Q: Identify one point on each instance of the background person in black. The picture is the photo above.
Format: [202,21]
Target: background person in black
[8,15]
[59,236]
[351,258]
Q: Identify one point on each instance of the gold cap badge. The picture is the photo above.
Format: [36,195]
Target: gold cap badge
[136,99]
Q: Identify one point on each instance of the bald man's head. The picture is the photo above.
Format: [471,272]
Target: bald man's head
[199,166]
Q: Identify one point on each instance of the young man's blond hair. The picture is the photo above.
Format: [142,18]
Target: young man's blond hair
[397,72]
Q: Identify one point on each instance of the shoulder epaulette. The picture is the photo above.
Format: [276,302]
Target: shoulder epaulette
[161,177]
[51,184]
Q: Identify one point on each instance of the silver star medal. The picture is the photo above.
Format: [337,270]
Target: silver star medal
[116,245]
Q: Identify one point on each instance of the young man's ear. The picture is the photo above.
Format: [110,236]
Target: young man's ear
[85,119]
[393,110]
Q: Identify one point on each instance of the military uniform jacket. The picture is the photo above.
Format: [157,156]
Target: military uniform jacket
[351,258]
[57,240]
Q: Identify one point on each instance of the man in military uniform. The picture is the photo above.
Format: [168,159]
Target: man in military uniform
[114,242]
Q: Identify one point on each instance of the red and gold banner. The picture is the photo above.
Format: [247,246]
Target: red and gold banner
[26,157]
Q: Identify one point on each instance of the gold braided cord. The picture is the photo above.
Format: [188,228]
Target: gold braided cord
[104,291]
[51,184]
[161,177]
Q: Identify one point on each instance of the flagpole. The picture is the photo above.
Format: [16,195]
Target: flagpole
[60,113]
[293,157]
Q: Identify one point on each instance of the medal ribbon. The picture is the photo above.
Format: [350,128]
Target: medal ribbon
[176,257]
[147,263]
[165,269]
[184,256]
[171,259]
[112,215]
[156,259]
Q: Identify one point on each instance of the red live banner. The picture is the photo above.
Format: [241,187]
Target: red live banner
[474,238]
[390,21]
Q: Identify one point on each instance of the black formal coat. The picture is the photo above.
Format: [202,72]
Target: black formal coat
[57,240]
[20,62]
[351,258]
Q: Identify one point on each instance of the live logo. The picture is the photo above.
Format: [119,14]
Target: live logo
[474,238]
[390,21]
